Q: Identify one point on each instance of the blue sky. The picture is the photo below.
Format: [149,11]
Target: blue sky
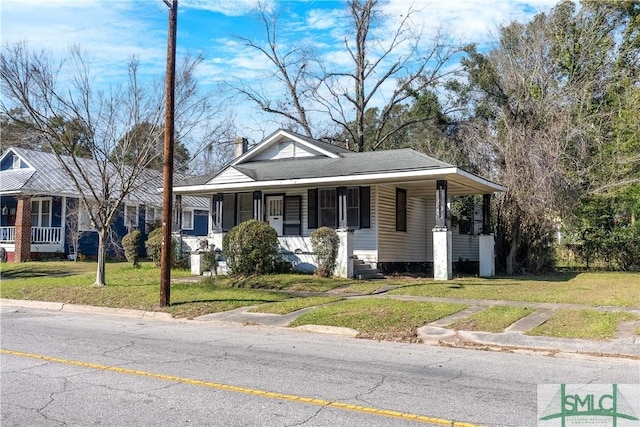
[113,30]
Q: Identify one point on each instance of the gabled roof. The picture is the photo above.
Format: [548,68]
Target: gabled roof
[325,149]
[330,165]
[45,176]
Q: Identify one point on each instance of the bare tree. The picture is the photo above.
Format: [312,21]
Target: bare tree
[403,60]
[289,68]
[310,84]
[51,91]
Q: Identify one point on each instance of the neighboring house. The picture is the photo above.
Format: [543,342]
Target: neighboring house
[390,207]
[37,195]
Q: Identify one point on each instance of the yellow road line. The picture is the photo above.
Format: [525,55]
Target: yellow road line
[255,392]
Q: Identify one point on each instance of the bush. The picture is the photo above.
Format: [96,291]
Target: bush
[325,243]
[154,246]
[251,248]
[131,245]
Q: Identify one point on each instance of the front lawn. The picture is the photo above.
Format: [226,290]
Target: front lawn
[593,288]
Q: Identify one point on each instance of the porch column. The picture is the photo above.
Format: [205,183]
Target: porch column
[486,241]
[342,208]
[344,261]
[257,206]
[23,230]
[442,239]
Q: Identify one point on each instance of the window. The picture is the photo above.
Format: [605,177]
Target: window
[16,162]
[322,207]
[327,207]
[228,211]
[152,216]
[84,220]
[187,220]
[292,216]
[41,213]
[245,207]
[401,209]
[131,217]
[353,207]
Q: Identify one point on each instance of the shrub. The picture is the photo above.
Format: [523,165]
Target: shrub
[131,245]
[325,243]
[154,246]
[251,248]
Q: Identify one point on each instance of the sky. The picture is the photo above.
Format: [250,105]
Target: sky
[111,31]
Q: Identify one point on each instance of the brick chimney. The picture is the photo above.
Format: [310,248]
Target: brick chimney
[241,146]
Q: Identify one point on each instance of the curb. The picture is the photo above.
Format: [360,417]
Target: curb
[75,308]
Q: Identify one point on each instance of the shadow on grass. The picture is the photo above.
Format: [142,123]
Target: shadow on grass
[473,281]
[30,273]
[227,300]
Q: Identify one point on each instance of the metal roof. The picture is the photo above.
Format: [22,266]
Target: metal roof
[48,176]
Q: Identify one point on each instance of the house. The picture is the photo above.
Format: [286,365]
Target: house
[389,207]
[39,208]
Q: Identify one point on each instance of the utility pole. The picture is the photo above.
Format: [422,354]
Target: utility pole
[167,167]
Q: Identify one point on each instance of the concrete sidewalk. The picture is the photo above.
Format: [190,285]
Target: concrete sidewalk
[624,344]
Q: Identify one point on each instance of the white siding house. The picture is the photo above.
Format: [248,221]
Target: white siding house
[394,202]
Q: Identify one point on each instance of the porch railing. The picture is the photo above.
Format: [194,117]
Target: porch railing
[7,234]
[46,235]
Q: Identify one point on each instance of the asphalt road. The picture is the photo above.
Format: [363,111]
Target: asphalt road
[78,369]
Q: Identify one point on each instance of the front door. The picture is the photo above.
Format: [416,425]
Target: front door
[275,212]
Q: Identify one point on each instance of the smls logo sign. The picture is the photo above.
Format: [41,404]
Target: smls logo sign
[592,405]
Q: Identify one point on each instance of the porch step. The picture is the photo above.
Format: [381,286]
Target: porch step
[363,270]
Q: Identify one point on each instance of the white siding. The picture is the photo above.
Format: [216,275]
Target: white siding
[230,176]
[285,149]
[400,246]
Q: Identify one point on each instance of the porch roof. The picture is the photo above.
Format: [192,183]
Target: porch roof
[405,166]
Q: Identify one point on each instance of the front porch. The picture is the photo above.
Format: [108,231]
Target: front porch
[43,240]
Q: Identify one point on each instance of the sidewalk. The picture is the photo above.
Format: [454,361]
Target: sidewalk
[624,344]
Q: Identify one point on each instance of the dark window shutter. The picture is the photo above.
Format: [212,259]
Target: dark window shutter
[312,208]
[365,207]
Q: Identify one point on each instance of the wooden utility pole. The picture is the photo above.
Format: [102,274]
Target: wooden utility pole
[167,168]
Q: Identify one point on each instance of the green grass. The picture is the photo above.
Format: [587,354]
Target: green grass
[293,304]
[380,319]
[595,289]
[585,324]
[127,287]
[493,319]
[388,319]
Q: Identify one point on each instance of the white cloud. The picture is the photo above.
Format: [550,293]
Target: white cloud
[228,7]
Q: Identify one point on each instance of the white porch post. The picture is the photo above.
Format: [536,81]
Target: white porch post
[344,267]
[257,206]
[442,238]
[487,242]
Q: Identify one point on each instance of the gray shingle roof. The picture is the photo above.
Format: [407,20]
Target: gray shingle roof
[49,177]
[347,164]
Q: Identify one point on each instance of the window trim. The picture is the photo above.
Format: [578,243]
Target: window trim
[297,223]
[249,196]
[134,224]
[188,211]
[328,209]
[39,200]
[401,210]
